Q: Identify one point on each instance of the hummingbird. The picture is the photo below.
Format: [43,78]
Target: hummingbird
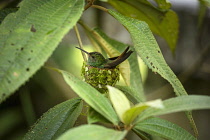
[96,59]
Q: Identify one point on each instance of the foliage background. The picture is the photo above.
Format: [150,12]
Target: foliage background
[191,63]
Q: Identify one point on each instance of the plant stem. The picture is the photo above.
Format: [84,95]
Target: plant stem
[80,42]
[100,7]
[90,3]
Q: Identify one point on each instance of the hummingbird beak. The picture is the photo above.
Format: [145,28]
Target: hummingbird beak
[82,50]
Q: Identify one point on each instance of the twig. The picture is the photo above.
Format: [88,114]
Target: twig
[80,42]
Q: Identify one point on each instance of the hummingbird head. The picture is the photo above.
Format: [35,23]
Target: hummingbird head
[95,59]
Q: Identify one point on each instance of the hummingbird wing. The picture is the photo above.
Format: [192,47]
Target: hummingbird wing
[117,60]
[113,58]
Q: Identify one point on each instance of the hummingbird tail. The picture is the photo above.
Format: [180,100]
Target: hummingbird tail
[119,59]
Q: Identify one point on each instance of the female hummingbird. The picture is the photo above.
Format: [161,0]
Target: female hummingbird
[96,59]
[100,72]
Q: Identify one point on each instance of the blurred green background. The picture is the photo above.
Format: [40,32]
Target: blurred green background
[191,63]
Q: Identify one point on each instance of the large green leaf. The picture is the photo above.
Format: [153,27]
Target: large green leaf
[162,22]
[164,129]
[131,114]
[120,103]
[148,49]
[94,98]
[177,104]
[29,36]
[56,121]
[92,132]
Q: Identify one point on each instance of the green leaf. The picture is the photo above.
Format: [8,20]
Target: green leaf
[29,36]
[56,121]
[94,116]
[120,102]
[148,49]
[164,129]
[131,114]
[92,132]
[162,22]
[91,96]
[136,79]
[130,93]
[177,104]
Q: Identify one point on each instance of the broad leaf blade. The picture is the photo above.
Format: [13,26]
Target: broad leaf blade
[29,36]
[162,22]
[92,132]
[148,49]
[120,102]
[134,111]
[177,104]
[56,121]
[164,129]
[94,98]
[136,78]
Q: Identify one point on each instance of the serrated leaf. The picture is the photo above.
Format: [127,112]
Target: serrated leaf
[162,22]
[56,121]
[131,114]
[92,132]
[120,102]
[91,96]
[148,49]
[29,36]
[163,129]
[177,104]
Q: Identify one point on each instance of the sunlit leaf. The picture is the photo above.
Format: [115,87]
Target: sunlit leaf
[177,104]
[120,102]
[133,112]
[29,36]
